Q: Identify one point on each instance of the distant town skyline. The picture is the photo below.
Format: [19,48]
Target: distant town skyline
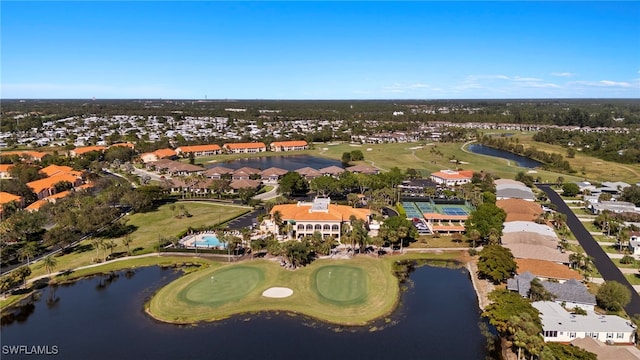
[319,50]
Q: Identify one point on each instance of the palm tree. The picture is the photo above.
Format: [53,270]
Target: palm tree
[126,241]
[277,219]
[474,235]
[28,251]
[576,259]
[49,263]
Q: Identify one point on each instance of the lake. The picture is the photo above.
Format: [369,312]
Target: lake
[287,162]
[519,160]
[103,318]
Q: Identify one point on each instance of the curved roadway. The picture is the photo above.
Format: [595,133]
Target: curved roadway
[601,260]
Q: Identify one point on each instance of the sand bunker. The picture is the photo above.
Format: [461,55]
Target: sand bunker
[277,292]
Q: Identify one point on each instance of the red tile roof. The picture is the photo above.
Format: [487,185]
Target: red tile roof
[464,174]
[335,212]
[196,148]
[547,269]
[244,145]
[6,197]
[55,169]
[86,149]
[289,143]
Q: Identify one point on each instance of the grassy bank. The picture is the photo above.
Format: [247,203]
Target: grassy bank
[314,295]
[109,267]
[149,227]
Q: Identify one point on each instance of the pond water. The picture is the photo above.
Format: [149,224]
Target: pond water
[103,318]
[288,162]
[521,161]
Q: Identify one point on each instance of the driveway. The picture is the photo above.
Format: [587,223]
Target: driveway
[601,260]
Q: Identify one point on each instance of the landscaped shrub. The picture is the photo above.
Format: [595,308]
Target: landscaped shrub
[627,259]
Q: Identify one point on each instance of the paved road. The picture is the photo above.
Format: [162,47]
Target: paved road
[601,260]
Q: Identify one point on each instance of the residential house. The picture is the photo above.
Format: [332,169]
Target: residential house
[26,155]
[5,171]
[245,173]
[218,172]
[558,325]
[613,206]
[272,175]
[86,149]
[634,243]
[55,169]
[319,215]
[452,177]
[309,173]
[158,155]
[46,187]
[124,144]
[174,168]
[237,185]
[6,198]
[520,210]
[288,145]
[244,148]
[363,169]
[570,293]
[547,270]
[334,171]
[199,150]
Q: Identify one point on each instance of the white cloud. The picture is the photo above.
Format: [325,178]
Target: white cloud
[608,83]
[563,74]
[518,78]
[615,83]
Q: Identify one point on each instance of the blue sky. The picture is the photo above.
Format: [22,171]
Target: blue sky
[319,50]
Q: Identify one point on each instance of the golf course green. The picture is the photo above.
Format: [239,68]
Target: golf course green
[348,292]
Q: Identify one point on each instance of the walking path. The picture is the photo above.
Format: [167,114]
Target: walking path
[271,194]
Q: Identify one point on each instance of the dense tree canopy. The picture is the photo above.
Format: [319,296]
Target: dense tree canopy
[487,219]
[613,296]
[496,263]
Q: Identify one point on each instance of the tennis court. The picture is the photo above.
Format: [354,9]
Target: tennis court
[454,211]
[425,207]
[411,210]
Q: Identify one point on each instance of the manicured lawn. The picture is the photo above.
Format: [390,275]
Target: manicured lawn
[350,292]
[341,284]
[634,265]
[150,226]
[223,286]
[634,279]
[610,249]
[440,242]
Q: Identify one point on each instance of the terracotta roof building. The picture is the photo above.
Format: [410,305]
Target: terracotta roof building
[319,215]
[520,210]
[86,149]
[452,177]
[6,198]
[5,171]
[289,145]
[158,155]
[199,150]
[244,148]
[125,144]
[46,187]
[55,169]
[27,155]
[546,270]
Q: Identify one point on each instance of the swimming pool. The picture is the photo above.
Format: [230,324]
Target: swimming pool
[208,241]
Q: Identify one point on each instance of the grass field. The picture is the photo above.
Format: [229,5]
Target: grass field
[423,156]
[349,297]
[347,292]
[341,284]
[149,227]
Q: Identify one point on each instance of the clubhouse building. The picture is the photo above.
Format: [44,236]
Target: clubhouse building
[320,215]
